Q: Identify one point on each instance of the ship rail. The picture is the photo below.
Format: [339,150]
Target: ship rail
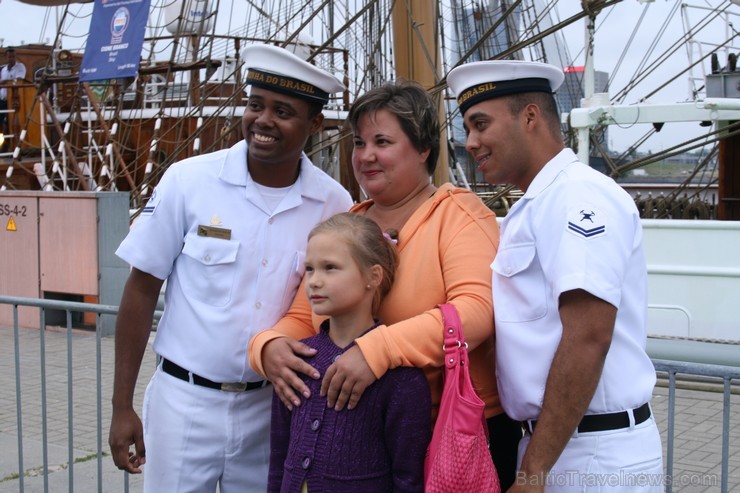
[47,377]
[7,113]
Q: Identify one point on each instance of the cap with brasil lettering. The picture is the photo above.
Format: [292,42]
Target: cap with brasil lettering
[279,70]
[477,81]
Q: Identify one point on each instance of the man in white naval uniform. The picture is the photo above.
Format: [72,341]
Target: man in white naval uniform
[9,73]
[227,230]
[569,292]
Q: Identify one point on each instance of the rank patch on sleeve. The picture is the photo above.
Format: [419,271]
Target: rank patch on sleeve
[586,222]
[151,204]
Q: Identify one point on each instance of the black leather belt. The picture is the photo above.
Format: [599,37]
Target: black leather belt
[178,371]
[603,422]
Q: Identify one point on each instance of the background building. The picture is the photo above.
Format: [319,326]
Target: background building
[467,26]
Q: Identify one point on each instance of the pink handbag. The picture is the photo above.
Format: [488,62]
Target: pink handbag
[458,458]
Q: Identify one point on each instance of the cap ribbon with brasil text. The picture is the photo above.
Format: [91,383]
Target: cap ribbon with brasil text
[276,69]
[477,81]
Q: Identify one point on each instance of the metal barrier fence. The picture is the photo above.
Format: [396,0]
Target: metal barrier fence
[62,349]
[68,308]
[727,374]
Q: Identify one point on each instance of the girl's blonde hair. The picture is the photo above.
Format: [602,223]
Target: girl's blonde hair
[367,245]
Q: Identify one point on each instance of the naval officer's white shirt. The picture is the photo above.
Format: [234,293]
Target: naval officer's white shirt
[574,228]
[220,292]
[18,71]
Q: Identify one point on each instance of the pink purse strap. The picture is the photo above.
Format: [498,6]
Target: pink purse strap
[454,344]
[455,347]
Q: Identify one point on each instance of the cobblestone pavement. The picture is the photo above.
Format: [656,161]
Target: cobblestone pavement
[698,434]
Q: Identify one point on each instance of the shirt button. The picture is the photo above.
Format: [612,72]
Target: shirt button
[336,357]
[258,305]
[306,462]
[264,261]
[207,258]
[315,424]
[270,220]
[508,270]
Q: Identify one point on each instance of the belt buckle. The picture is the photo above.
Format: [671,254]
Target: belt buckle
[234,386]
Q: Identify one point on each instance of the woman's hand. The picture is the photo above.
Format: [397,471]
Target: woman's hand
[282,364]
[346,380]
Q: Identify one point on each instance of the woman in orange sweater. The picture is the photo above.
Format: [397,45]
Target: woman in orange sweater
[446,238]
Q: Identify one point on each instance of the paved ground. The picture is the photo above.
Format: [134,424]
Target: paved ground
[84,412]
[697,438]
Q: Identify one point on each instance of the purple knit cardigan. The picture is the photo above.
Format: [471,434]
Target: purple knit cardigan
[377,447]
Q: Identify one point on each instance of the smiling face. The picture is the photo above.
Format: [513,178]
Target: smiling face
[384,160]
[497,141]
[336,286]
[276,128]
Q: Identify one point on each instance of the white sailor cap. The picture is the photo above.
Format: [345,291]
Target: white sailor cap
[277,69]
[477,81]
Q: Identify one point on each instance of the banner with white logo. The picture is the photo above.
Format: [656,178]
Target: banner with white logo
[116,37]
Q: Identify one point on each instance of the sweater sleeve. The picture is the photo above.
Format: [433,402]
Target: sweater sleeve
[297,324]
[279,440]
[408,428]
[468,240]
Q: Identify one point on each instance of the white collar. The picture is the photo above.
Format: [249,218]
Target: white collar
[549,172]
[234,170]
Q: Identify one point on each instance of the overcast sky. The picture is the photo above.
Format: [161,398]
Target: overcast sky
[22,23]
[615,28]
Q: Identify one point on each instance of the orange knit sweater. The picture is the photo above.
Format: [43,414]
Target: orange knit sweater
[445,251]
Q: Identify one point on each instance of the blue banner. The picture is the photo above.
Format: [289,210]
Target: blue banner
[116,37]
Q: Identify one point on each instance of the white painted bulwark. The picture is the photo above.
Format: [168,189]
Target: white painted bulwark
[693,278]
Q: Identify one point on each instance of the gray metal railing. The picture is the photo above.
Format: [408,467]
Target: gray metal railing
[726,374]
[671,368]
[69,330]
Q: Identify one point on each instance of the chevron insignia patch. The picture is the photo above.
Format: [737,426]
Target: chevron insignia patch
[586,222]
[151,204]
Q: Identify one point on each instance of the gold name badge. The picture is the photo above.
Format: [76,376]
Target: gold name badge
[211,232]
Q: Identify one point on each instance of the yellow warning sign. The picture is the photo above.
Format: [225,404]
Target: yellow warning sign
[11,225]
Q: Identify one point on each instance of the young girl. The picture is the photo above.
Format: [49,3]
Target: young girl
[379,446]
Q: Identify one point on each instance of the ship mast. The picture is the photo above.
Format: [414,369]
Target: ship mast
[417,57]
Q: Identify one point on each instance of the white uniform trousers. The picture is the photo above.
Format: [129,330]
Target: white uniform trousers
[197,437]
[627,460]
